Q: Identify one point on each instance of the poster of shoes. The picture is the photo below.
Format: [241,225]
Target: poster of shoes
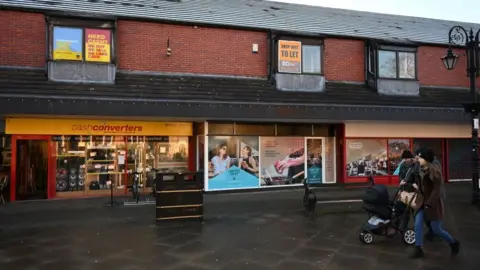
[232,162]
[283,160]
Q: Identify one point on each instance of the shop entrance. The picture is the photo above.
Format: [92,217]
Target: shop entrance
[31,169]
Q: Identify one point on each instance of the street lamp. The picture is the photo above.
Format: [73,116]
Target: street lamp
[458,36]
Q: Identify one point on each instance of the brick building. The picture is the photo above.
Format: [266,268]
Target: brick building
[255,93]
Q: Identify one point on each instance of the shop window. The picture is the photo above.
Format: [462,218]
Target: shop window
[366,157]
[233,162]
[89,165]
[395,150]
[81,50]
[459,159]
[434,144]
[167,154]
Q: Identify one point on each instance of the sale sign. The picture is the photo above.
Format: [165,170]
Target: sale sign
[97,45]
[289,56]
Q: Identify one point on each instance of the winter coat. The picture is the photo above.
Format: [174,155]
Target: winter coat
[430,182]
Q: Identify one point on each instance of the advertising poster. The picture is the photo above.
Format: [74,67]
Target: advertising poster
[233,162]
[329,161]
[314,161]
[366,157]
[67,43]
[283,160]
[97,45]
[289,56]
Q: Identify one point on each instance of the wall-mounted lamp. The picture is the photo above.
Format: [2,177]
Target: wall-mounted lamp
[169,50]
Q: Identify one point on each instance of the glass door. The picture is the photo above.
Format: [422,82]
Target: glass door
[31,172]
[315,160]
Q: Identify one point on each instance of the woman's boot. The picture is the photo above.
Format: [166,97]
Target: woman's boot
[455,248]
[417,253]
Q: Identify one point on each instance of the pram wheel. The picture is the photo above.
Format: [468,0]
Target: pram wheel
[366,237]
[409,237]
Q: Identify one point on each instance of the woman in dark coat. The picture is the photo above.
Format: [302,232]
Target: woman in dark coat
[430,184]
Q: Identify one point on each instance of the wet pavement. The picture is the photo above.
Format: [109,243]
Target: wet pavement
[240,231]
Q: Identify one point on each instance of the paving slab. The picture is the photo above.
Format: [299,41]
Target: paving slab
[273,235]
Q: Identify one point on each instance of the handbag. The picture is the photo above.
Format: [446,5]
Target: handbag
[412,199]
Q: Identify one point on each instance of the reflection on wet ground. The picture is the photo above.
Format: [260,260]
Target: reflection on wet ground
[267,238]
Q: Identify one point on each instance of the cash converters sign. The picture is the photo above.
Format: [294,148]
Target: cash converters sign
[108,128]
[47,126]
[289,56]
[98,45]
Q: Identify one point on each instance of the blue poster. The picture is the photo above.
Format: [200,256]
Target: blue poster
[233,178]
[232,162]
[314,175]
[67,43]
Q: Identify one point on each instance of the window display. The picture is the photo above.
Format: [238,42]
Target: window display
[366,157]
[395,150]
[70,163]
[233,162]
[283,160]
[315,161]
[89,165]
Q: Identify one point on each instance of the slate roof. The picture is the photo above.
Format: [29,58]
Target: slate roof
[262,14]
[224,90]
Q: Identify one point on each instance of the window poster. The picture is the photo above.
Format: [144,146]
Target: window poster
[329,161]
[232,162]
[67,43]
[98,45]
[315,161]
[366,157]
[289,56]
[283,160]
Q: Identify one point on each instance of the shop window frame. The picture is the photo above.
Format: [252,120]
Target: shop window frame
[383,179]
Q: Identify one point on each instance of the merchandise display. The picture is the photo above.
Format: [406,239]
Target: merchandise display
[89,165]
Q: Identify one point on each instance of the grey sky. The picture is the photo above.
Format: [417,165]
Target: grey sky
[455,10]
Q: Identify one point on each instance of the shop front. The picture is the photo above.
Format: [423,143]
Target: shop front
[57,158]
[374,149]
[250,156]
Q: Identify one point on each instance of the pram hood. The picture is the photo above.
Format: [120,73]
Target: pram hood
[377,195]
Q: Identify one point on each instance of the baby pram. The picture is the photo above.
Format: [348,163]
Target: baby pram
[386,217]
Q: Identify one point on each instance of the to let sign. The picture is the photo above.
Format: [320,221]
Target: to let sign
[97,45]
[289,56]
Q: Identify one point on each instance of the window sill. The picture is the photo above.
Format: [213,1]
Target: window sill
[398,87]
[300,82]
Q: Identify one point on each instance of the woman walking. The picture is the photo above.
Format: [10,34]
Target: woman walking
[429,183]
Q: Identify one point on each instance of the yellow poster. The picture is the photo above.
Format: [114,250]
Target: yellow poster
[289,56]
[98,45]
[45,126]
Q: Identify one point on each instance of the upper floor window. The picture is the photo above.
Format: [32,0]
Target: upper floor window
[392,62]
[299,57]
[81,50]
[82,44]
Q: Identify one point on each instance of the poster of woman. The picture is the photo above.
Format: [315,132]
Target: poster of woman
[232,162]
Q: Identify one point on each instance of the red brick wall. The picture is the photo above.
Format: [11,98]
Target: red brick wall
[432,72]
[22,39]
[142,46]
[344,60]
